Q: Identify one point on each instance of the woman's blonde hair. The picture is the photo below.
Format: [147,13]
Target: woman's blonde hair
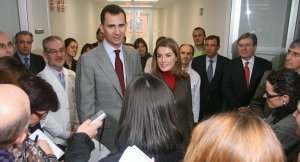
[234,137]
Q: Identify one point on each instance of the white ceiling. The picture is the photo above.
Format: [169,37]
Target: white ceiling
[159,4]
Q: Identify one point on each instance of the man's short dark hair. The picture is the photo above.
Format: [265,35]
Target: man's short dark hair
[295,43]
[23,33]
[199,28]
[41,94]
[213,37]
[191,46]
[248,35]
[112,9]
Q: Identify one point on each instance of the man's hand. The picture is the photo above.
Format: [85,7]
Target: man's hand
[244,109]
[88,128]
[45,146]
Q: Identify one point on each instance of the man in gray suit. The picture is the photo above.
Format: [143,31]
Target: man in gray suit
[103,73]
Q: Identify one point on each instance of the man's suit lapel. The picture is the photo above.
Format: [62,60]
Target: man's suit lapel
[107,67]
[17,56]
[218,67]
[128,68]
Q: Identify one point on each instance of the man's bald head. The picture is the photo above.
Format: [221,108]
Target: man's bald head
[6,46]
[14,114]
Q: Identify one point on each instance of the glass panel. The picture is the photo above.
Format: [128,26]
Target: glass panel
[138,26]
[268,19]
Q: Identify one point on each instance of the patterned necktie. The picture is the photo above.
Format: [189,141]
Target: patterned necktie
[26,62]
[119,70]
[247,74]
[210,70]
[61,78]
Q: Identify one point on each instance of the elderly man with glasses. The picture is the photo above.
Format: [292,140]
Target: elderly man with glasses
[60,125]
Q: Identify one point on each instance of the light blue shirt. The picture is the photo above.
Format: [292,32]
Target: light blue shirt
[22,58]
[112,56]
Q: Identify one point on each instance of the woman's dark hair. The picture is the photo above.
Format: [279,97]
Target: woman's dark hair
[41,94]
[7,78]
[147,117]
[68,41]
[86,46]
[285,82]
[13,66]
[138,41]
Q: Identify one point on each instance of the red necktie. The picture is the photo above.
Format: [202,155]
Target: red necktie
[247,74]
[119,70]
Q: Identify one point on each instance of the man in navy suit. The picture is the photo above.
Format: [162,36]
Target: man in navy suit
[35,63]
[243,74]
[211,99]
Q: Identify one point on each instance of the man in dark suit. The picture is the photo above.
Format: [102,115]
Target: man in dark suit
[35,63]
[243,74]
[104,72]
[210,68]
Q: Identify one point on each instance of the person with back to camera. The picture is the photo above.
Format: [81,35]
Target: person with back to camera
[234,137]
[147,120]
[166,64]
[296,114]
[282,94]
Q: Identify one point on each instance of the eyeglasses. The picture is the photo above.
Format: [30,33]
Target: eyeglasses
[4,46]
[294,54]
[271,96]
[52,51]
[40,115]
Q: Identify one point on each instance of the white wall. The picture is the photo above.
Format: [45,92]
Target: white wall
[37,19]
[79,21]
[180,18]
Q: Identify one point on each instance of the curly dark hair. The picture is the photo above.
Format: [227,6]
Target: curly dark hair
[41,94]
[285,82]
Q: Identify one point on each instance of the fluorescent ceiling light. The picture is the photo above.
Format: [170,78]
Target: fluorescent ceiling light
[132,0]
[139,6]
[145,0]
[119,0]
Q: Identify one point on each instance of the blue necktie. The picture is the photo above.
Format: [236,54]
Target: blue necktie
[26,62]
[61,78]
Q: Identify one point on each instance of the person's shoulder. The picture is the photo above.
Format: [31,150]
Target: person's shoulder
[223,57]
[194,74]
[201,57]
[262,60]
[130,51]
[111,158]
[36,56]
[91,54]
[69,72]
